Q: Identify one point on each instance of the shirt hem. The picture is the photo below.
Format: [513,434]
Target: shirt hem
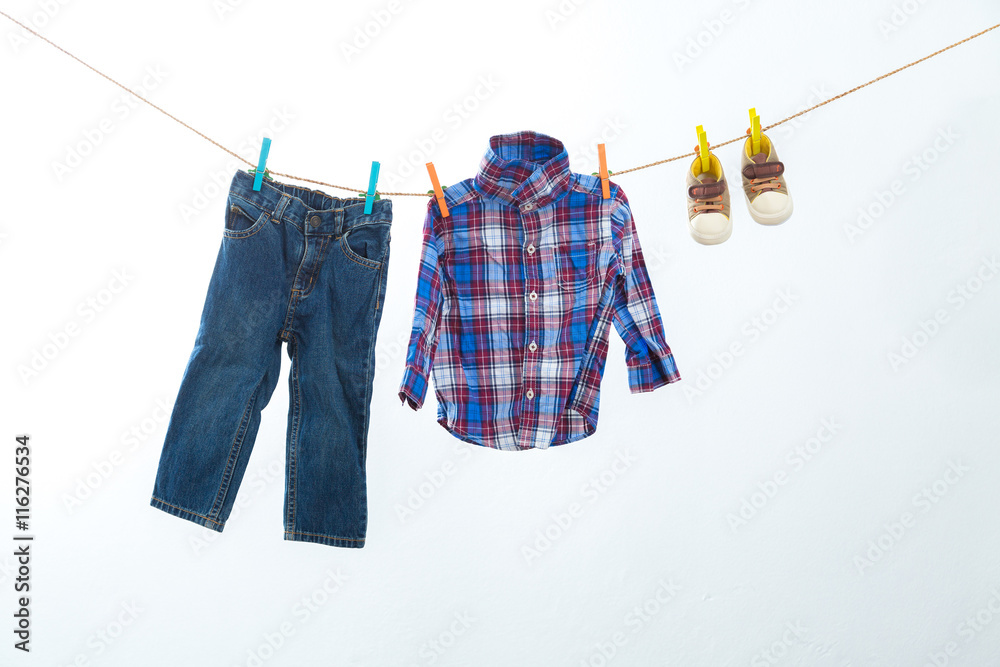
[465,437]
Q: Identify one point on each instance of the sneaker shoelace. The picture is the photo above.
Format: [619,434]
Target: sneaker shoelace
[757,184]
[702,201]
[770,181]
[709,204]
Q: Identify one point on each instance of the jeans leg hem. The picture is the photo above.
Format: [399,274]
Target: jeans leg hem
[329,540]
[186,514]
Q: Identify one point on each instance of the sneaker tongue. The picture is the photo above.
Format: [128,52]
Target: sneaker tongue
[764,169]
[705,178]
[706,190]
[759,157]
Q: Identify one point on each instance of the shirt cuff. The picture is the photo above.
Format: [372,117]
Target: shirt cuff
[648,373]
[413,388]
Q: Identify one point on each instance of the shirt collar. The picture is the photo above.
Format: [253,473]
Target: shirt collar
[524,168]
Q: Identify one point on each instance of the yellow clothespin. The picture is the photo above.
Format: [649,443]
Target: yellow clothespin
[754,131]
[438,192]
[603,158]
[703,148]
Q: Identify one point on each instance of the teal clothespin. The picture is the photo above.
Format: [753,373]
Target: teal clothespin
[258,177]
[370,196]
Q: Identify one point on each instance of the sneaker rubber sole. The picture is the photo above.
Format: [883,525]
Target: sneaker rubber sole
[710,239]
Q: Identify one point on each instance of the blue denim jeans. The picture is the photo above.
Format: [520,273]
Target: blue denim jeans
[298,266]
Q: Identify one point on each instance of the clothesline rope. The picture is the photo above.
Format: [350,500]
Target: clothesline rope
[425,194]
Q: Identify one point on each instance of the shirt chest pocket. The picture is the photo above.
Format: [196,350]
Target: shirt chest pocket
[576,264]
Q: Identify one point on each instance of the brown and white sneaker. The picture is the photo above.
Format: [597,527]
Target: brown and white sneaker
[708,202]
[764,183]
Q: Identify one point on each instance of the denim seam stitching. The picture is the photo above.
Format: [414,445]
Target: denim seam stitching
[317,263]
[369,384]
[294,439]
[329,537]
[234,453]
[320,255]
[295,279]
[288,324]
[378,290]
[370,369]
[200,516]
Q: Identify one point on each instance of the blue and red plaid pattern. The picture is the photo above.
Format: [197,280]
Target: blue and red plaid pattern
[516,290]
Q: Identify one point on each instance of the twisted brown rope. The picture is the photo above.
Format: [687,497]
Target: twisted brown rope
[424,194]
[816,106]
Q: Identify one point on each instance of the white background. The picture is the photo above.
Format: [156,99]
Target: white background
[845,562]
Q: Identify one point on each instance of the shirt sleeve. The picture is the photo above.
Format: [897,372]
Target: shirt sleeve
[636,316]
[426,312]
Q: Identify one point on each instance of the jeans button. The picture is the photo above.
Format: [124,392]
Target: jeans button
[314,221]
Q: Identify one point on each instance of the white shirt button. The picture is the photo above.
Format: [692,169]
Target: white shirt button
[532,346]
[531,249]
[533,295]
[529,394]
[528,207]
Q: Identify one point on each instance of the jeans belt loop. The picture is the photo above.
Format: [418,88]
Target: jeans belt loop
[338,229]
[279,210]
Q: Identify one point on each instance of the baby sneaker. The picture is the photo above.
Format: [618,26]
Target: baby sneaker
[764,183]
[708,202]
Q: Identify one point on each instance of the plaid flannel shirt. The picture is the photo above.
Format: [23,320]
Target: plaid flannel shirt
[515,293]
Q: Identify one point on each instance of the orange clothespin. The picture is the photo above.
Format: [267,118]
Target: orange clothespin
[602,156]
[438,192]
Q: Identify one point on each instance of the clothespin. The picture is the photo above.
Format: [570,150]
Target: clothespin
[603,159]
[438,192]
[258,178]
[702,148]
[754,131]
[370,196]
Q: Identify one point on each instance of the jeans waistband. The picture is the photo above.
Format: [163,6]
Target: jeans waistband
[312,211]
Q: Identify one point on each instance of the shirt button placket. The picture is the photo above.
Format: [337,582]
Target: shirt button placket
[532,276]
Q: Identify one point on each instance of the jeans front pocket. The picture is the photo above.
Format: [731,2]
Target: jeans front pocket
[243,219]
[576,264]
[366,244]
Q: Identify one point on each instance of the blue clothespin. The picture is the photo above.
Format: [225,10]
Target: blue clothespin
[258,177]
[370,196]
